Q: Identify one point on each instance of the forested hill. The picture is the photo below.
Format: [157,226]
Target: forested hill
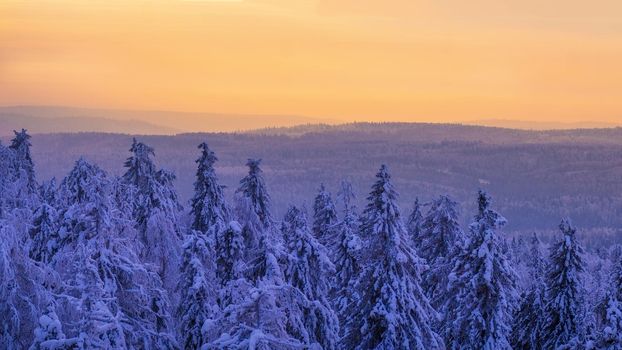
[537,177]
[432,132]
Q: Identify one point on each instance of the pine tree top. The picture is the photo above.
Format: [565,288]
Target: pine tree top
[21,141]
[83,182]
[382,198]
[139,164]
[253,166]
[208,157]
[487,217]
[253,187]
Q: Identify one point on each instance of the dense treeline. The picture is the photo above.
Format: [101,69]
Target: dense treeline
[104,262]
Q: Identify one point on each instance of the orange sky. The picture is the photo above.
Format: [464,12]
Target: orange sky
[407,60]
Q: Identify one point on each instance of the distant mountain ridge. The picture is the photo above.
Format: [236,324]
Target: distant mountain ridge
[51,125]
[53,119]
[142,122]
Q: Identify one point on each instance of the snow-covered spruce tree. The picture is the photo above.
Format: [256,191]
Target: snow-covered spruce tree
[616,279]
[414,224]
[44,233]
[324,216]
[155,191]
[262,315]
[230,254]
[209,213]
[198,287]
[44,230]
[608,312]
[6,179]
[9,295]
[439,240]
[156,212]
[100,326]
[267,313]
[529,317]
[85,206]
[261,238]
[391,310]
[610,336]
[48,192]
[345,251]
[483,286]
[20,144]
[564,324]
[308,265]
[535,261]
[19,276]
[253,188]
[21,292]
[309,270]
[528,320]
[108,298]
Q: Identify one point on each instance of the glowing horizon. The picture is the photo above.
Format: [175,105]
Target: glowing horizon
[363,60]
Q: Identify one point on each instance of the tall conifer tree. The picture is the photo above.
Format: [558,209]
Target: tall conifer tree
[564,324]
[391,310]
[483,284]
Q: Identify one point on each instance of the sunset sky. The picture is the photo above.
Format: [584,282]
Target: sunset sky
[402,60]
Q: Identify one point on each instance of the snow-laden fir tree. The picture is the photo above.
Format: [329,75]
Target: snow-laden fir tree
[154,187]
[529,316]
[48,192]
[230,254]
[156,211]
[414,224]
[345,251]
[210,213]
[262,315]
[616,279]
[100,326]
[6,179]
[324,216]
[44,228]
[44,233]
[108,298]
[309,270]
[20,144]
[85,206]
[9,297]
[253,188]
[197,304]
[21,292]
[610,337]
[609,312]
[261,238]
[528,320]
[270,313]
[535,261]
[564,324]
[391,310]
[20,289]
[483,285]
[439,240]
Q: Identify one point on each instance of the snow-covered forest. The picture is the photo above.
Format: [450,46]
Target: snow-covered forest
[96,261]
